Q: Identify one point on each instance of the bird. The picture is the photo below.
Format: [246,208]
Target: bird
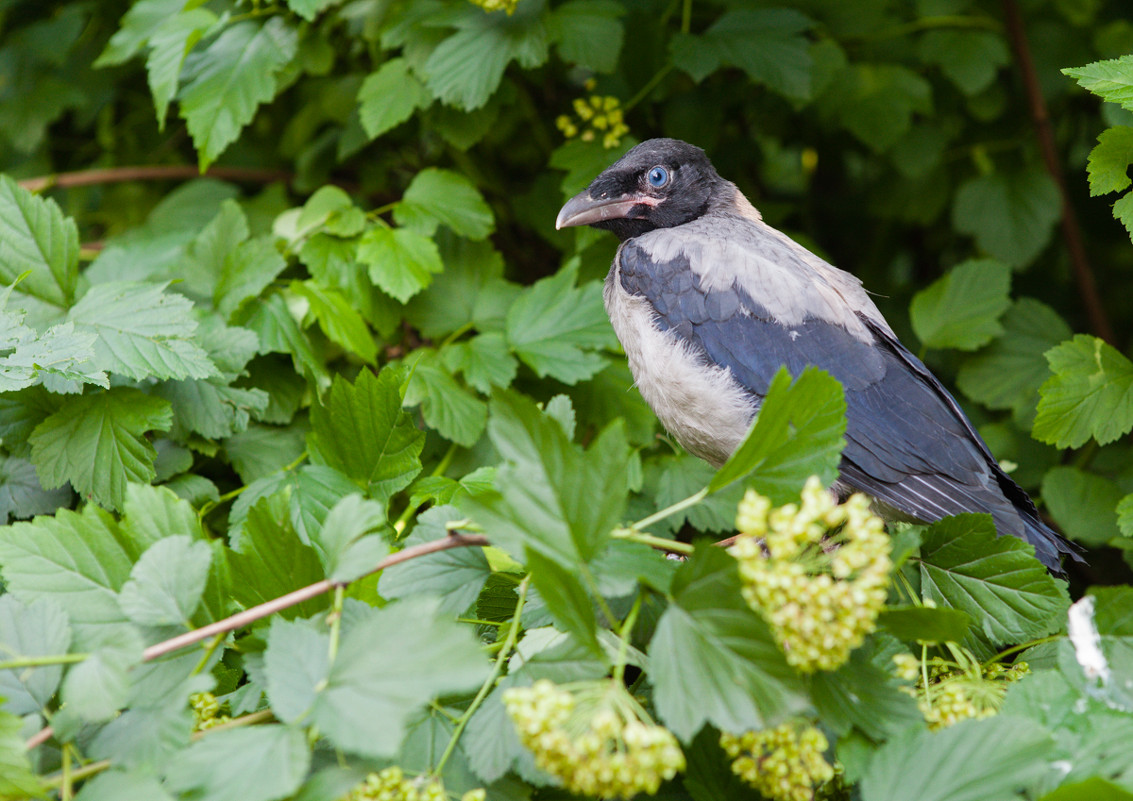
[709,301]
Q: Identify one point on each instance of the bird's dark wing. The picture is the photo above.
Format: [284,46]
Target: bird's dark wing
[908,443]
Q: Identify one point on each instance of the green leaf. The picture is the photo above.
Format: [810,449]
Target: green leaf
[79,561]
[555,327]
[401,261]
[113,785]
[279,332]
[1083,504]
[272,765]
[170,43]
[473,291]
[21,494]
[143,332]
[566,600]
[1093,789]
[167,583]
[962,309]
[1089,395]
[1111,80]
[797,434]
[1109,161]
[40,628]
[98,443]
[138,24]
[235,73]
[969,58]
[364,701]
[361,430]
[245,272]
[1011,215]
[876,102]
[270,560]
[1125,515]
[454,412]
[443,197]
[309,9]
[588,33]
[1123,211]
[456,576]
[551,497]
[466,68]
[59,353]
[925,624]
[999,756]
[260,451]
[768,44]
[17,780]
[1008,372]
[996,580]
[338,319]
[484,360]
[713,658]
[389,96]
[99,686]
[345,541]
[860,695]
[36,238]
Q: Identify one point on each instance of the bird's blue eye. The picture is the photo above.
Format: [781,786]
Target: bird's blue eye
[658,176]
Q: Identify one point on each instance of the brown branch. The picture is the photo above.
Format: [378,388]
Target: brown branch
[157,172]
[1071,231]
[267,608]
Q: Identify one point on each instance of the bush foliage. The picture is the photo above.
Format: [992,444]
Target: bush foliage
[283,304]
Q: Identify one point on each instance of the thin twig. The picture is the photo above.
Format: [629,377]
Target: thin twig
[275,605]
[1071,231]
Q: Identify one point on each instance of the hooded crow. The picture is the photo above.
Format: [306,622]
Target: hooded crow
[709,302]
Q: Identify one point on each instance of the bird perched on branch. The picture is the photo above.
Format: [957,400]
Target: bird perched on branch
[709,301]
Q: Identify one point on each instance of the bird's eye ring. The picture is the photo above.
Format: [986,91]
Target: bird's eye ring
[657,177]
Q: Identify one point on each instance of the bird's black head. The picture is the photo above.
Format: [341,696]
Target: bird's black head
[660,183]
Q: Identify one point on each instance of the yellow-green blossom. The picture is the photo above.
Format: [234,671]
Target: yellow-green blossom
[206,711]
[594,116]
[786,763]
[595,737]
[497,5]
[392,784]
[816,571]
[957,689]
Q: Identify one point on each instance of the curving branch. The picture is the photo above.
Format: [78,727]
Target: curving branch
[1071,230]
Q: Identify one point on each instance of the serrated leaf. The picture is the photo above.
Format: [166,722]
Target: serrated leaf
[551,496]
[60,353]
[1111,80]
[113,785]
[401,261]
[338,319]
[363,701]
[450,409]
[1125,515]
[17,780]
[555,327]
[36,237]
[473,291]
[166,584]
[877,102]
[1008,372]
[443,197]
[389,96]
[245,272]
[1083,504]
[21,494]
[273,762]
[1109,161]
[346,543]
[143,332]
[465,69]
[362,431]
[713,659]
[588,33]
[768,44]
[309,9]
[1123,211]
[1089,395]
[79,561]
[860,695]
[566,599]
[484,360]
[260,451]
[682,475]
[1000,755]
[997,580]
[1011,215]
[169,44]
[456,576]
[99,686]
[925,624]
[98,443]
[138,24]
[797,434]
[236,72]
[38,629]
[962,309]
[279,332]
[969,58]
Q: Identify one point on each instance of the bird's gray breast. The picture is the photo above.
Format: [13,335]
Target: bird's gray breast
[699,402]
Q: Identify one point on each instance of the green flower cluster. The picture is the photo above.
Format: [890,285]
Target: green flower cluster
[497,5]
[817,572]
[596,116]
[595,737]
[206,711]
[786,763]
[957,689]
[392,784]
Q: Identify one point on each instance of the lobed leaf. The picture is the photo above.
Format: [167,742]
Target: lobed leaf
[962,309]
[36,238]
[443,197]
[1111,80]
[1089,395]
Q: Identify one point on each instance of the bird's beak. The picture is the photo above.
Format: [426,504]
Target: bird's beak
[582,209]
